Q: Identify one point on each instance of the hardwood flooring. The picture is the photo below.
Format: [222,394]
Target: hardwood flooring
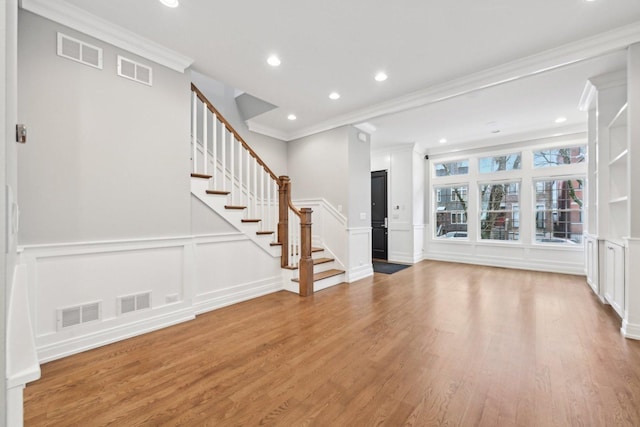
[435,344]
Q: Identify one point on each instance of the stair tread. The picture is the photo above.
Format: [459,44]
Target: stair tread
[260,233]
[323,275]
[221,193]
[313,249]
[200,175]
[234,207]
[250,220]
[316,261]
[275,244]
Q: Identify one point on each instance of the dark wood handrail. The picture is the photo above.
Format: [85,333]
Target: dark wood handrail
[230,128]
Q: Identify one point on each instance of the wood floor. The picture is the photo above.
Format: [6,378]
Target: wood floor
[434,344]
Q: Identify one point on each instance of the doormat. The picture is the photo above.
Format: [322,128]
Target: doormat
[387,268]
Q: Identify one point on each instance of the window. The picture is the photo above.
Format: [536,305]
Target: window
[497,219]
[500,163]
[460,167]
[451,212]
[459,193]
[559,156]
[559,211]
[458,217]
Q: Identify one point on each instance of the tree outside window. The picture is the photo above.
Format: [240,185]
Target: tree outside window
[451,211]
[559,211]
[497,219]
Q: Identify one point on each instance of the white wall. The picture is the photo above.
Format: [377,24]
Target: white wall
[359,190]
[271,150]
[107,158]
[107,210]
[334,166]
[406,183]
[318,167]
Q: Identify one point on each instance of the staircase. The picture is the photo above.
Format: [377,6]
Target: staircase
[232,180]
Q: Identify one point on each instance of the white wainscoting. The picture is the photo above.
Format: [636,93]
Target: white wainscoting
[556,259]
[185,275]
[350,247]
[360,265]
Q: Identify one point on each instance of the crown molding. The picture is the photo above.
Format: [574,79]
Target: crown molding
[267,131]
[94,26]
[514,141]
[561,56]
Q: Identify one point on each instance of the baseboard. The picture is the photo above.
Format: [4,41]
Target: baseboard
[57,350]
[358,273]
[404,258]
[547,266]
[223,297]
[629,330]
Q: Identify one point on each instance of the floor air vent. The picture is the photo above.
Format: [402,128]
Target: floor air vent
[79,51]
[132,303]
[77,315]
[134,71]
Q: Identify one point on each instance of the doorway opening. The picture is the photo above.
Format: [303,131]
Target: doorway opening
[379,221]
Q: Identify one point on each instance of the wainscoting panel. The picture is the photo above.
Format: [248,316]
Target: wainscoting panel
[185,276]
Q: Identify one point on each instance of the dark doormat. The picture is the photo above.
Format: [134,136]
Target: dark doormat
[388,268]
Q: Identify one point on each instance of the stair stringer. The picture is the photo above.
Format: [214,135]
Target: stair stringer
[234,217]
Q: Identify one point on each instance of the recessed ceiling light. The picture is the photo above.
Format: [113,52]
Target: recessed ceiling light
[334,95]
[273,60]
[561,119]
[380,77]
[291,117]
[170,3]
[442,140]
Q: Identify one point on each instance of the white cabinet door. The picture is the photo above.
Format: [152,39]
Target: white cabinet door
[614,274]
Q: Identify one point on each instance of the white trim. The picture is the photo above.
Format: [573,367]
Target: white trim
[520,264]
[629,330]
[224,297]
[101,29]
[360,272]
[57,350]
[548,60]
[267,131]
[324,203]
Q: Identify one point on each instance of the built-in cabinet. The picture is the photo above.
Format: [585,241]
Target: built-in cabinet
[614,276]
[608,189]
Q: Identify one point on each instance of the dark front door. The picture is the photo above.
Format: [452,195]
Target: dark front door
[379,214]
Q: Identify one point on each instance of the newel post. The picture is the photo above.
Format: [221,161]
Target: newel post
[306,262]
[283,219]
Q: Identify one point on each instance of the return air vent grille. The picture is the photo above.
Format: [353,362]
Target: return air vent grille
[134,71]
[130,303]
[72,316]
[79,51]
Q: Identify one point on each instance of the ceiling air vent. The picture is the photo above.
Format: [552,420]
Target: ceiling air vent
[134,71]
[79,51]
[130,303]
[77,315]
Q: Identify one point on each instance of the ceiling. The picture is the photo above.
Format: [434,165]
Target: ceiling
[457,69]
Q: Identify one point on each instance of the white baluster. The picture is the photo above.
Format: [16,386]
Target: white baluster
[276,211]
[268,202]
[233,166]
[291,239]
[194,132]
[215,150]
[251,213]
[205,146]
[255,188]
[262,199]
[224,158]
[240,153]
